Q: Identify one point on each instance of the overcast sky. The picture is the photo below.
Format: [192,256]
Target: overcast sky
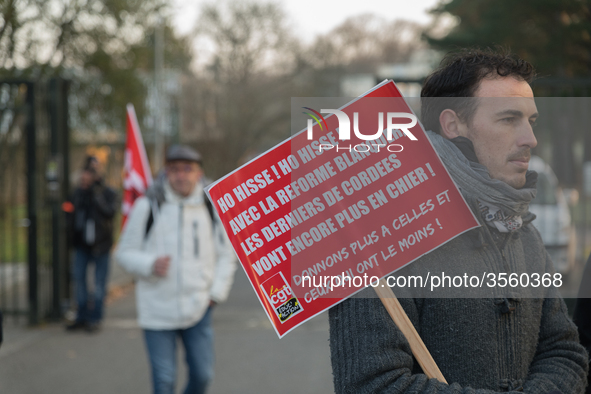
[312,17]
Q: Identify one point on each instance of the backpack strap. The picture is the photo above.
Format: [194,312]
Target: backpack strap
[150,221]
[209,208]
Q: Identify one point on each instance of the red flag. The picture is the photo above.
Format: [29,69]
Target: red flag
[137,176]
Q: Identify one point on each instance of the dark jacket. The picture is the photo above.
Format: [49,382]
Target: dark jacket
[506,341]
[582,314]
[493,344]
[91,223]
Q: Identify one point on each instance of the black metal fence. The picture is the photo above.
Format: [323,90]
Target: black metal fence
[34,141]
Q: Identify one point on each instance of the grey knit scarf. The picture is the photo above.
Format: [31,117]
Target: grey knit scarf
[504,201]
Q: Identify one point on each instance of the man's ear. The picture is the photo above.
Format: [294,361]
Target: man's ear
[451,125]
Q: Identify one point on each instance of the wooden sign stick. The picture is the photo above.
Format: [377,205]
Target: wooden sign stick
[419,350]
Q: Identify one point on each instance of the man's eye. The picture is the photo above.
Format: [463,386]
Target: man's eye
[533,123]
[509,120]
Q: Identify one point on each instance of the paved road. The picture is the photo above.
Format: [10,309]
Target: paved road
[250,357]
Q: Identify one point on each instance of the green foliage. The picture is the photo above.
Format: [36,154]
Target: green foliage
[555,35]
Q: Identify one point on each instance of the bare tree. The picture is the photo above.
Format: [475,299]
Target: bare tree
[250,66]
[245,81]
[361,43]
[50,34]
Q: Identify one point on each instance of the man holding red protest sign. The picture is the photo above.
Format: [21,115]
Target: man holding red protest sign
[505,342]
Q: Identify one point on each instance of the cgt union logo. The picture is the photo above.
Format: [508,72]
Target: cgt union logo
[344,129]
[281,297]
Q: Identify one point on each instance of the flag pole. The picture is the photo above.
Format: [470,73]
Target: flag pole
[418,348]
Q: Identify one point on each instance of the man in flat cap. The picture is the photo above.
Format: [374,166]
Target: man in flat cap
[184,263]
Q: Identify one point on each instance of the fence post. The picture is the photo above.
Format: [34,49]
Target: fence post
[53,182]
[65,190]
[32,205]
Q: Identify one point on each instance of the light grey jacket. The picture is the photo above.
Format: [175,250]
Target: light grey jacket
[202,259]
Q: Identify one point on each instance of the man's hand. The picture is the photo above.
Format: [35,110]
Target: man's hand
[160,267]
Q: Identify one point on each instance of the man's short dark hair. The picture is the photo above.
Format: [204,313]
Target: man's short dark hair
[459,76]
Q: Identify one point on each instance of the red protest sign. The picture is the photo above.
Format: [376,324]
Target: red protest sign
[314,219]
